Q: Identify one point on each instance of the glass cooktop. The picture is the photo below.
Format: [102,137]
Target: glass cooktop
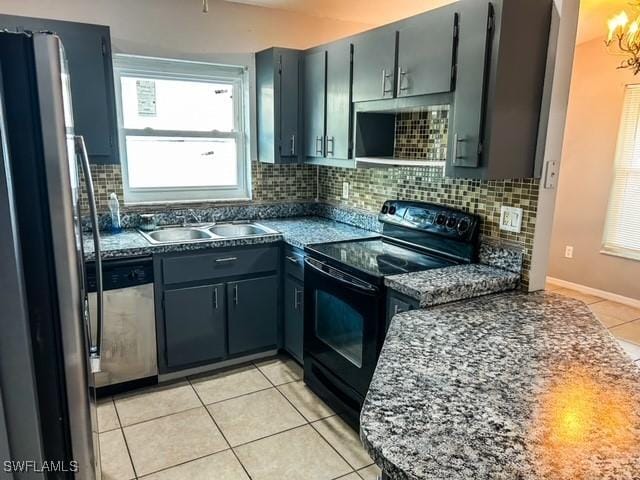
[379,258]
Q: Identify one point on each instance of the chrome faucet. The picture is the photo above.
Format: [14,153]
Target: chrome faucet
[190,213]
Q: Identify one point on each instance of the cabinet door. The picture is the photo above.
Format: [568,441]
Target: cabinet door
[425,53]
[194,325]
[88,49]
[397,305]
[374,56]
[253,314]
[338,136]
[293,316]
[474,56]
[289,103]
[314,103]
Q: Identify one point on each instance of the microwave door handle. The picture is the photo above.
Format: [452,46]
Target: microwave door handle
[95,351]
[363,288]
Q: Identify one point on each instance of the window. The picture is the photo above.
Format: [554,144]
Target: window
[622,231]
[182,130]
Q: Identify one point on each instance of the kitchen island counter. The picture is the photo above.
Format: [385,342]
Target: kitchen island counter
[508,386]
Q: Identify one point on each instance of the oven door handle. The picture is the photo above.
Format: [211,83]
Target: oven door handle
[361,287]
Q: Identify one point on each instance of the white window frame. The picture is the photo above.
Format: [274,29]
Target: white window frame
[168,69]
[622,172]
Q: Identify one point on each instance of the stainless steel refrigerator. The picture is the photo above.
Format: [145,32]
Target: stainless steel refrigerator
[47,357]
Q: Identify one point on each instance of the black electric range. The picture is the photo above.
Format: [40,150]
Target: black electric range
[345,296]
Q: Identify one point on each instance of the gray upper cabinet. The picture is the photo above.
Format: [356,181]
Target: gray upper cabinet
[374,64]
[425,53]
[278,105]
[498,94]
[315,68]
[88,49]
[194,325]
[253,314]
[338,134]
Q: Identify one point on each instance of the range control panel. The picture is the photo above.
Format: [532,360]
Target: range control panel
[430,217]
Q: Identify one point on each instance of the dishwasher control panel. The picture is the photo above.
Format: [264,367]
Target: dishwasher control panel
[118,274]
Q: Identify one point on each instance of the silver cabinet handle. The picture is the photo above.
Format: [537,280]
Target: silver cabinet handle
[293,260]
[293,144]
[401,74]
[235,294]
[296,301]
[215,298]
[455,156]
[95,351]
[385,75]
[227,259]
[319,142]
[331,140]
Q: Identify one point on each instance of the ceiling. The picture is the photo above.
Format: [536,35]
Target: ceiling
[372,12]
[593,13]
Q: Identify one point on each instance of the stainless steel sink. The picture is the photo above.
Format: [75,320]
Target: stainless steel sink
[172,235]
[239,230]
[205,232]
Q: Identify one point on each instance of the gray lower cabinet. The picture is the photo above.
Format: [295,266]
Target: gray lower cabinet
[194,325]
[216,304]
[88,49]
[253,314]
[294,316]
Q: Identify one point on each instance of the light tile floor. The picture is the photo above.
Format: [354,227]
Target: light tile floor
[622,320]
[256,421]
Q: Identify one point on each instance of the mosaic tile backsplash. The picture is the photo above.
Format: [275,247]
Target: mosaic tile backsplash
[270,183]
[369,188]
[422,135]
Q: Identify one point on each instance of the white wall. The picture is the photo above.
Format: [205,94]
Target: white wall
[595,109]
[178,28]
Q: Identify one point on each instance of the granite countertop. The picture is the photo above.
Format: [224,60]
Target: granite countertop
[298,231]
[509,386]
[444,285]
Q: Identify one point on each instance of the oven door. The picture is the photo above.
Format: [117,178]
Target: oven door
[342,323]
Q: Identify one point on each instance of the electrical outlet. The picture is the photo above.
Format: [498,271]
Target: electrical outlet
[345,190]
[568,251]
[511,219]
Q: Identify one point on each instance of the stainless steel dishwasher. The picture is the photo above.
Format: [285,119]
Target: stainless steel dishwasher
[129,331]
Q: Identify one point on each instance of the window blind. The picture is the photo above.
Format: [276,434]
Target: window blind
[622,229]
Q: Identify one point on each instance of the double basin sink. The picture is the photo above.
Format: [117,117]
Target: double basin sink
[205,232]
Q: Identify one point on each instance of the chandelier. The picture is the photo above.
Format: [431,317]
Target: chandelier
[624,35]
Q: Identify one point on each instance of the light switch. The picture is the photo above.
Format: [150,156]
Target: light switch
[511,219]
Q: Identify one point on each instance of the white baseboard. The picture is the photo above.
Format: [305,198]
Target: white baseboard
[614,297]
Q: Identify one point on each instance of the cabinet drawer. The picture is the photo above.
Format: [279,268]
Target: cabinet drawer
[192,268]
[294,262]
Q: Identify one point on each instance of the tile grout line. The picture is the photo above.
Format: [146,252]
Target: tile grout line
[220,430]
[322,436]
[124,437]
[310,423]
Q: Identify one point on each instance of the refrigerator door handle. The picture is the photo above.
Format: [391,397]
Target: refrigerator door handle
[95,351]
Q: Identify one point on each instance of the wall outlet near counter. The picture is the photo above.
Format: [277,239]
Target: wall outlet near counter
[510,219]
[345,190]
[568,251]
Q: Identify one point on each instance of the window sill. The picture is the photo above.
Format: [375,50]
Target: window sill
[177,203]
[628,255]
